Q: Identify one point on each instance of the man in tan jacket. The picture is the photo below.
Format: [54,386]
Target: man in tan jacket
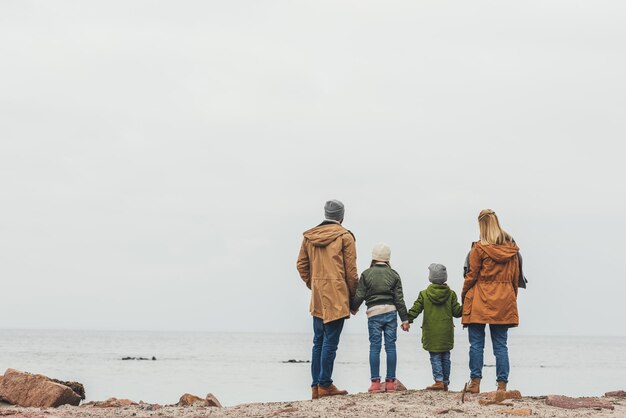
[327,264]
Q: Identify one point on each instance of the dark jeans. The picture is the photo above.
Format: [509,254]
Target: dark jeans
[325,342]
[476,333]
[379,325]
[440,363]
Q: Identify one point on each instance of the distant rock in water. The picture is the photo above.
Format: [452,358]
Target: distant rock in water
[296,361]
[138,358]
[36,390]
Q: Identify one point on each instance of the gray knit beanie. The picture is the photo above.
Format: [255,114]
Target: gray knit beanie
[437,273]
[333,210]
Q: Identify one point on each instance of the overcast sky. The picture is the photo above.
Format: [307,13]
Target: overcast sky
[159,161]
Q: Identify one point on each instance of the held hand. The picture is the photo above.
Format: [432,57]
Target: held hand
[354,311]
[405,326]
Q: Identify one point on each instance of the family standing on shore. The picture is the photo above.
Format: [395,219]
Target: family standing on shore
[327,264]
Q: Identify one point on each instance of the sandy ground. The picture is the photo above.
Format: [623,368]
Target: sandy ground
[412,403]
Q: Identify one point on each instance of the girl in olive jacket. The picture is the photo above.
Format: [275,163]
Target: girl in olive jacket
[439,304]
[381,289]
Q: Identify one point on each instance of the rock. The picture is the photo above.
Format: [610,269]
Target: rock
[574,403]
[510,394]
[112,403]
[211,400]
[516,412]
[35,390]
[188,399]
[615,394]
[78,388]
[398,386]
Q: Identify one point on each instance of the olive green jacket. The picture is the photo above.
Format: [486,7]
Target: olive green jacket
[380,285]
[439,304]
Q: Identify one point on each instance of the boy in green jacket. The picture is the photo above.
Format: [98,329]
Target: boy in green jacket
[439,304]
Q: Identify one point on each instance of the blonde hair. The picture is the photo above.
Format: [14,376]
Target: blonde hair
[490,231]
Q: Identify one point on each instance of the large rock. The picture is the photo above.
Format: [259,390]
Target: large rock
[615,394]
[35,390]
[575,403]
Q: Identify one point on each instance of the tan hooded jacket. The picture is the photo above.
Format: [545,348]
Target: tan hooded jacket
[327,264]
[490,288]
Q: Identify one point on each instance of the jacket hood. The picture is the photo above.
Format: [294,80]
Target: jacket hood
[324,234]
[501,253]
[438,293]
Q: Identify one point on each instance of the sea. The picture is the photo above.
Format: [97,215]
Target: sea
[244,368]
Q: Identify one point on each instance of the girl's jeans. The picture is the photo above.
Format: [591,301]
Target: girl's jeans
[476,333]
[378,325]
[440,363]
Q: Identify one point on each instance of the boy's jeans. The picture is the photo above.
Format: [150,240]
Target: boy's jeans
[440,363]
[476,333]
[386,324]
[325,342]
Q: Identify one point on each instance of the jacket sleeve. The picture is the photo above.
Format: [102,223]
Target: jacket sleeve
[475,264]
[417,308]
[516,274]
[359,297]
[398,298]
[457,309]
[304,265]
[349,263]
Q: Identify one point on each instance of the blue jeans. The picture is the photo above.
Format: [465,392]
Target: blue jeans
[386,324]
[476,333]
[440,363]
[325,342]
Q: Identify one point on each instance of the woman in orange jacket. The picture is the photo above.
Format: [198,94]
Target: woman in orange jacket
[490,297]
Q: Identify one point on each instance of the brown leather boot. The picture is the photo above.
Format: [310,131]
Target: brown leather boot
[445,387]
[330,391]
[501,392]
[473,386]
[314,394]
[437,386]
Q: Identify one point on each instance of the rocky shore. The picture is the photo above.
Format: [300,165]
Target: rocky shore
[410,403]
[402,403]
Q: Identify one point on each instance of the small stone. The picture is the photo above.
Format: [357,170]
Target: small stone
[398,386]
[516,412]
[211,400]
[575,403]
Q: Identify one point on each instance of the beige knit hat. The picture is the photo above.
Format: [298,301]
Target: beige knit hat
[381,252]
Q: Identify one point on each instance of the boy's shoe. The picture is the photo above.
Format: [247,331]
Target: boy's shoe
[314,394]
[445,387]
[390,385]
[330,391]
[473,386]
[438,385]
[375,386]
[501,392]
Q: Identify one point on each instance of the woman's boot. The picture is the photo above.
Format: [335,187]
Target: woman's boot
[501,392]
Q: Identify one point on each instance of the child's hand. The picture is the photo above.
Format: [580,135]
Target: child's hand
[354,311]
[405,326]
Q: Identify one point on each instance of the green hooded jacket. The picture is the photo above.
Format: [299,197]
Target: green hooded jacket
[439,304]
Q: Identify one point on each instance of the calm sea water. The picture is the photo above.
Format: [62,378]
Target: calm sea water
[242,368]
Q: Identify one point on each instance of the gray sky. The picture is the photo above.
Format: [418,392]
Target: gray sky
[159,161]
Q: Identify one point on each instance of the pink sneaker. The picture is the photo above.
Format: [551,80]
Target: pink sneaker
[375,386]
[390,385]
